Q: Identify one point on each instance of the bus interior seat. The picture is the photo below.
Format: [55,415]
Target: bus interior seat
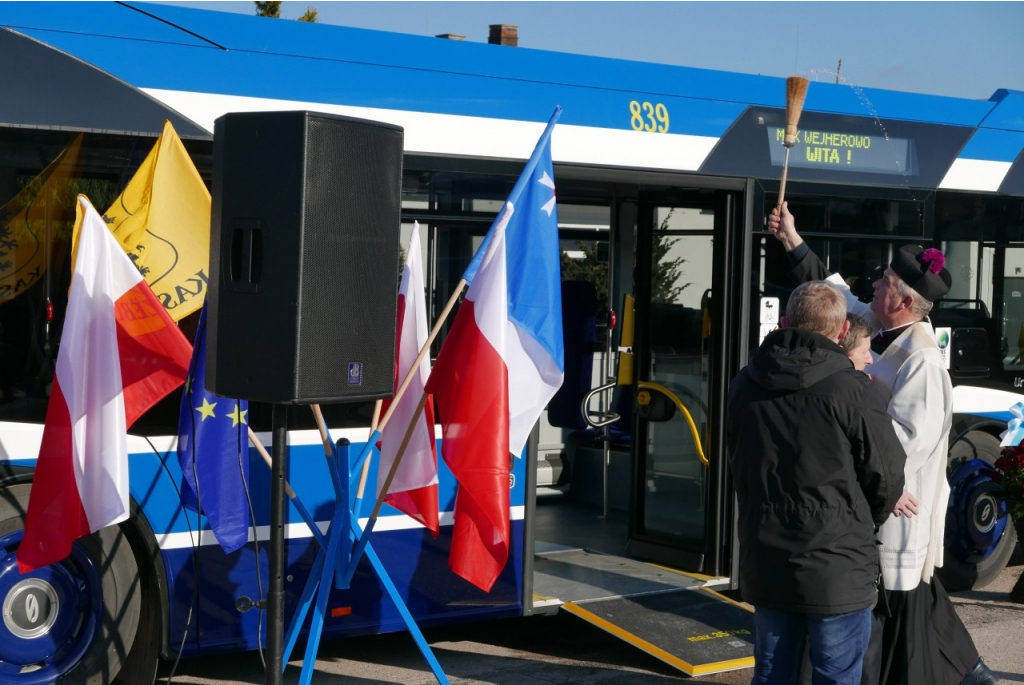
[579,331]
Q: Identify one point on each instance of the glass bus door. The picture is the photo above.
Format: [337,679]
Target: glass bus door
[684,314]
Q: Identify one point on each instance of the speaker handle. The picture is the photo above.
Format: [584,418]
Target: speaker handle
[243,258]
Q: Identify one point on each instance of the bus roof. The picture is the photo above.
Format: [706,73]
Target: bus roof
[464,98]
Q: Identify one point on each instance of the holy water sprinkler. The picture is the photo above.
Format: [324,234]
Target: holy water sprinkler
[796,90]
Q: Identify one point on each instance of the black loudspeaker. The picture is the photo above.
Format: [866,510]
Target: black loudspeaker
[304,257]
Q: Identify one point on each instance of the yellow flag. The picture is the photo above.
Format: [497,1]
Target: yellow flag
[34,224]
[162,220]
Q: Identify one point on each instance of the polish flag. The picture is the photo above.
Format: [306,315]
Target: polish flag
[500,365]
[414,488]
[120,353]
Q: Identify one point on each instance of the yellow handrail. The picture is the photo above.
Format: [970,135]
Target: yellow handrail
[689,419]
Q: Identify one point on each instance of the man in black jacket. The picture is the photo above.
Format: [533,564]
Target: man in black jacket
[817,465]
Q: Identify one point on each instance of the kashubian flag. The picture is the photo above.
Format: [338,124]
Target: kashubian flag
[162,220]
[35,224]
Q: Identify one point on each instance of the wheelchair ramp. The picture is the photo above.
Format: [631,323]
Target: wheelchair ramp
[670,615]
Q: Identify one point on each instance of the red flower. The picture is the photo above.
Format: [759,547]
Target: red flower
[1004,464]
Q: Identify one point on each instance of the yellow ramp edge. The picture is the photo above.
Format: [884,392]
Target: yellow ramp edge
[654,650]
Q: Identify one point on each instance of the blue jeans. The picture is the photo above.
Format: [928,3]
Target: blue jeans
[837,646]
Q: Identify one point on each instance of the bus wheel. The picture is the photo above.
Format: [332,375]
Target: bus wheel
[140,668]
[72,621]
[979,537]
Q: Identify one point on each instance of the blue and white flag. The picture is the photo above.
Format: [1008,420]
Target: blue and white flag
[535,356]
[500,364]
[213,450]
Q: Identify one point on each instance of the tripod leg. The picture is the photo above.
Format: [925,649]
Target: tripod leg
[316,625]
[305,601]
[410,623]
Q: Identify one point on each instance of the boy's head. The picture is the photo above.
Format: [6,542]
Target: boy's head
[857,343]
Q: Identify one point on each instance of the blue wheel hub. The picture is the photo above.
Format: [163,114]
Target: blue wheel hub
[976,517]
[50,616]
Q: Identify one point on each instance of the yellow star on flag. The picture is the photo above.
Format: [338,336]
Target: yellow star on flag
[207,409]
[237,417]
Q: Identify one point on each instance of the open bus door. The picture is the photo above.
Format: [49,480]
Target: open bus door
[688,299]
[678,527]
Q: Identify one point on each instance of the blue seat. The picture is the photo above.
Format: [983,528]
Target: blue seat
[579,329]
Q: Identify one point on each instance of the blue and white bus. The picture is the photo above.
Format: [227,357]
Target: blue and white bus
[664,174]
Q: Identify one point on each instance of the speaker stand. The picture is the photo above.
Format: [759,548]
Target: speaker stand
[275,593]
[335,563]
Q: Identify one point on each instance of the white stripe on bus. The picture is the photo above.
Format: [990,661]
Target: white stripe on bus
[466,136]
[20,441]
[292,531]
[969,399]
[975,174]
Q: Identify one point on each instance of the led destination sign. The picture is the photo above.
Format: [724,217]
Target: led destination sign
[818,149]
[837,148]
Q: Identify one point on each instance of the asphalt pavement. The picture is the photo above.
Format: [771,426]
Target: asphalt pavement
[563,650]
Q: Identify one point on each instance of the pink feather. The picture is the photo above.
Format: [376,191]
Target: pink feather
[933,259]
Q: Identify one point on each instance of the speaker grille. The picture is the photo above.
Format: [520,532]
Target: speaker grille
[352,210]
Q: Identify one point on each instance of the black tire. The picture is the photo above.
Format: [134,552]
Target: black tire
[140,668]
[110,571]
[957,574]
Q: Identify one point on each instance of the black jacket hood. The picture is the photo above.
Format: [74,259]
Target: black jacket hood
[793,359]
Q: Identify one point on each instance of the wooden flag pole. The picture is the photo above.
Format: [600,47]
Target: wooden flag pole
[374,423]
[796,91]
[398,457]
[408,379]
[357,550]
[322,427]
[423,351]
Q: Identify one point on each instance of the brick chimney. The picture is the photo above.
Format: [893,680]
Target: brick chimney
[504,34]
[451,36]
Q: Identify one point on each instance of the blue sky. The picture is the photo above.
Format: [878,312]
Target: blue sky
[963,49]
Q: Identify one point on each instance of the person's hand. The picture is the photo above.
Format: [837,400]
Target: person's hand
[783,227]
[906,505]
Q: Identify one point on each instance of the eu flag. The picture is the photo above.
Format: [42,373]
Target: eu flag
[213,452]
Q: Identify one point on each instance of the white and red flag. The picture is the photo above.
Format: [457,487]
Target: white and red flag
[414,488]
[120,354]
[500,365]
